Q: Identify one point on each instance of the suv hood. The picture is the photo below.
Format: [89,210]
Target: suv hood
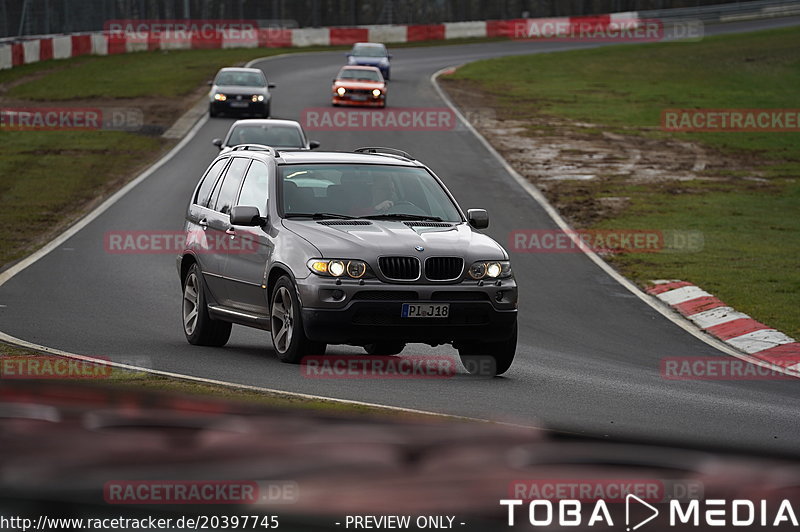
[381,237]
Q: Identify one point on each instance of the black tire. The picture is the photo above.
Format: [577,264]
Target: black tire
[198,326]
[384,348]
[489,358]
[211,112]
[268,111]
[297,345]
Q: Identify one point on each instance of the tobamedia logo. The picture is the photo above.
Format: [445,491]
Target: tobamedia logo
[637,513]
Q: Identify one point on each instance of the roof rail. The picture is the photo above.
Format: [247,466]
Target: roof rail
[256,147]
[385,151]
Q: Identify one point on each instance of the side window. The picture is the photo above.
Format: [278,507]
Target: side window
[230,185]
[255,190]
[204,192]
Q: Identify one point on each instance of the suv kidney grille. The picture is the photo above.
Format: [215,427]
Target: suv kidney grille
[444,268]
[400,268]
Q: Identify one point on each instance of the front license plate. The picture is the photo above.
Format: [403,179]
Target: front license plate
[359,98]
[425,310]
[238,104]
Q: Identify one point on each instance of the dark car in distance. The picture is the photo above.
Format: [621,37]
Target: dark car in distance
[366,248]
[240,91]
[372,54]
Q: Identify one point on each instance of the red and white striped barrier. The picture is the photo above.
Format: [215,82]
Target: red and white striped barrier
[32,50]
[735,328]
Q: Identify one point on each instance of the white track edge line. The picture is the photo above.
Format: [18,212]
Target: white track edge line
[537,196]
[130,367]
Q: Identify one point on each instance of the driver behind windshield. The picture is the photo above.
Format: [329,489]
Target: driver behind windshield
[384,195]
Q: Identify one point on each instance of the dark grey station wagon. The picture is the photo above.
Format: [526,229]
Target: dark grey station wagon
[366,248]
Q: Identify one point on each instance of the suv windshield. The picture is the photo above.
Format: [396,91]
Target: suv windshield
[364,190]
[241,79]
[270,135]
[369,51]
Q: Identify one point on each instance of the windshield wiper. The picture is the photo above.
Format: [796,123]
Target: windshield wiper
[402,217]
[319,215]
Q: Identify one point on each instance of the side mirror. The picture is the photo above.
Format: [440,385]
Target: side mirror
[478,218]
[217,143]
[313,144]
[348,55]
[271,85]
[210,82]
[246,216]
[388,56]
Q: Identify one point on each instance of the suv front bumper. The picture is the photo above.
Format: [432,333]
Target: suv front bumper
[351,313]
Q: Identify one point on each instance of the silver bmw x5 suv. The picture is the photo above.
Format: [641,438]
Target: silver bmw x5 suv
[366,248]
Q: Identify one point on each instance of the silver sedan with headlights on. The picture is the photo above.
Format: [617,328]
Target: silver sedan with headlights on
[281,134]
[366,248]
[240,91]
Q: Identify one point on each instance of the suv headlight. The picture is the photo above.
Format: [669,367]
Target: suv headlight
[347,268]
[490,269]
[220,97]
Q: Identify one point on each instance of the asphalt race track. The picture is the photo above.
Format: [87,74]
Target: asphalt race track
[589,350]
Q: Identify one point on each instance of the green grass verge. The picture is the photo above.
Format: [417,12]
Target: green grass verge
[752,241]
[47,174]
